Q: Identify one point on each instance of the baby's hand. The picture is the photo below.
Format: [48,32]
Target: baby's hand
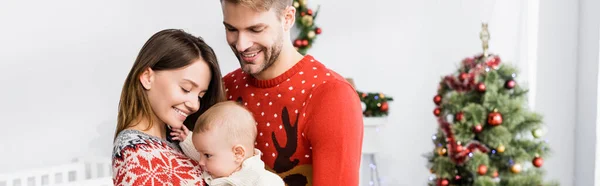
[180,134]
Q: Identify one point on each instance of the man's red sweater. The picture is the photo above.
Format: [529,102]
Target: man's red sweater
[309,121]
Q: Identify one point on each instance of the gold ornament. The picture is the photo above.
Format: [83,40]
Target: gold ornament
[311,34]
[431,171]
[501,148]
[302,2]
[381,95]
[516,168]
[441,151]
[307,20]
[296,4]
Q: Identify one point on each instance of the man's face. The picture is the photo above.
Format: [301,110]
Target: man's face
[256,37]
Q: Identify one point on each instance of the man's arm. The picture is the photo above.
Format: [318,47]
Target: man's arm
[335,131]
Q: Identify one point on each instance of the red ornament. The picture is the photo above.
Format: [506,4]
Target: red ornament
[477,128]
[538,162]
[459,148]
[457,177]
[442,182]
[298,43]
[318,30]
[463,76]
[305,42]
[494,118]
[437,111]
[481,87]
[482,170]
[384,107]
[309,12]
[460,116]
[437,99]
[510,84]
[495,174]
[302,14]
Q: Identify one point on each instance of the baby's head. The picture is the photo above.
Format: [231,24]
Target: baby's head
[224,136]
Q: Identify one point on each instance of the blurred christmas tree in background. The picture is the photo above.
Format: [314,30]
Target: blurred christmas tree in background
[487,136]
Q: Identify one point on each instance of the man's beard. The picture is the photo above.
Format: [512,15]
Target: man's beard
[270,56]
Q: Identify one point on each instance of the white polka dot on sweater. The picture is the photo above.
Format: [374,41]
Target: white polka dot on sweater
[301,72]
[226,89]
[233,75]
[262,113]
[230,97]
[273,154]
[313,85]
[324,81]
[310,96]
[275,115]
[291,88]
[310,148]
[258,104]
[288,79]
[304,103]
[280,127]
[315,76]
[270,103]
[306,156]
[260,134]
[303,134]
[245,103]
[314,68]
[303,81]
[267,144]
[266,94]
[235,80]
[303,114]
[246,85]
[255,143]
[293,99]
[278,95]
[251,94]
[236,87]
[328,74]
[302,91]
[244,77]
[312,60]
[268,124]
[296,111]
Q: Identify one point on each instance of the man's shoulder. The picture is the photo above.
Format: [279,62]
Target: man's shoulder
[229,77]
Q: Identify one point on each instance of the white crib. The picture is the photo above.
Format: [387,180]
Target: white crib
[82,171]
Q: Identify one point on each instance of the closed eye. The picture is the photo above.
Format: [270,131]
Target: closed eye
[207,155]
[185,90]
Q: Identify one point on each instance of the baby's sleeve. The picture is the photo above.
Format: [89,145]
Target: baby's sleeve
[188,148]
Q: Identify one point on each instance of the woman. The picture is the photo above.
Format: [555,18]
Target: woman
[174,79]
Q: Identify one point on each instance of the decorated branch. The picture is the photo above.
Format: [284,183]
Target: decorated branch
[374,104]
[305,21]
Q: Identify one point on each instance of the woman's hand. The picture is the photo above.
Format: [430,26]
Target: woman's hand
[180,134]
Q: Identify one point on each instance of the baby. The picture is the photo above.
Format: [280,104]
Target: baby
[223,138]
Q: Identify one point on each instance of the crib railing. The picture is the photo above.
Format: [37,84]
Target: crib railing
[82,171]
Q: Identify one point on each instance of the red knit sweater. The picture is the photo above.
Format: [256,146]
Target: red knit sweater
[310,125]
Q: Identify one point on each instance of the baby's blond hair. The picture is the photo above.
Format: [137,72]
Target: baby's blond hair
[232,119]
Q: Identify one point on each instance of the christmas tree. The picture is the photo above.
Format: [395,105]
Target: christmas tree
[487,135]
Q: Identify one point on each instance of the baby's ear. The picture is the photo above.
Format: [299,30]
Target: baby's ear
[240,153]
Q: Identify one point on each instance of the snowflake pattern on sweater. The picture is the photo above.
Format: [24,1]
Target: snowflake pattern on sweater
[141,159]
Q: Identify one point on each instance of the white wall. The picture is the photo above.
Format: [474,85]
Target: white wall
[66,61]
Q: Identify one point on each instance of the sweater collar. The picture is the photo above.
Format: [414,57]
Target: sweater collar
[281,78]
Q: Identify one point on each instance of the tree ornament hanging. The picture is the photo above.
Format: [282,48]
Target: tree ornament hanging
[537,162]
[437,99]
[516,168]
[494,118]
[510,84]
[477,128]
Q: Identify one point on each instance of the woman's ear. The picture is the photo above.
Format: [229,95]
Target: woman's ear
[147,78]
[240,153]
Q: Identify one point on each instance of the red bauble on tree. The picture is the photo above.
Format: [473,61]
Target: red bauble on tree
[495,174]
[309,12]
[318,30]
[304,42]
[298,43]
[437,99]
[482,170]
[460,116]
[463,76]
[302,14]
[494,118]
[384,107]
[442,182]
[481,87]
[510,84]
[459,148]
[477,128]
[538,162]
[437,111]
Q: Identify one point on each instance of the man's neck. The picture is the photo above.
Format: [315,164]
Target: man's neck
[286,60]
[158,129]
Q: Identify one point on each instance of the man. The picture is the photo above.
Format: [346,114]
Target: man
[309,118]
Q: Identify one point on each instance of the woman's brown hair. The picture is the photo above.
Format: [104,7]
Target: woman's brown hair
[167,49]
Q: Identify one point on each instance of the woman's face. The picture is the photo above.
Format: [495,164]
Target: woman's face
[175,94]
